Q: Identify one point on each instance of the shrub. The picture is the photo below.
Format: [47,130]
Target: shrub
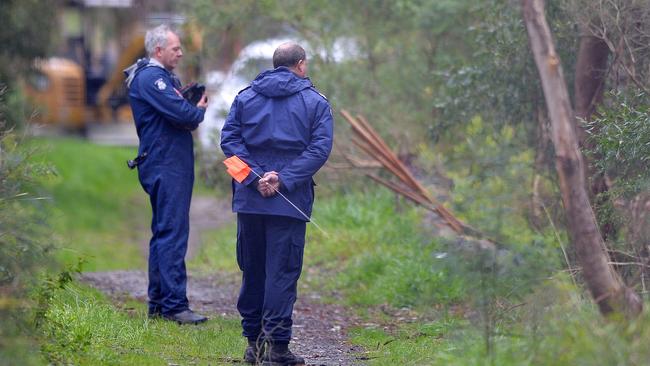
[24,250]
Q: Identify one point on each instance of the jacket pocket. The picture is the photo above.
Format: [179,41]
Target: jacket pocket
[295,261]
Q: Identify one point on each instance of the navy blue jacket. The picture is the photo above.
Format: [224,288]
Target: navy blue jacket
[280,123]
[163,119]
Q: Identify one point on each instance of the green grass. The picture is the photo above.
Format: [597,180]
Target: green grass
[82,328]
[410,344]
[377,254]
[217,252]
[553,328]
[99,210]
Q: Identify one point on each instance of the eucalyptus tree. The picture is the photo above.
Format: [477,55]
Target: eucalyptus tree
[606,286]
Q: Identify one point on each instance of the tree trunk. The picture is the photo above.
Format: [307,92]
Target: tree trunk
[591,70]
[605,285]
[231,44]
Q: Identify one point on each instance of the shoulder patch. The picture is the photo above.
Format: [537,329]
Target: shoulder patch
[160,84]
[319,93]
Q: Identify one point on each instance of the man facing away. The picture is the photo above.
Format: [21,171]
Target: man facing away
[164,121]
[282,127]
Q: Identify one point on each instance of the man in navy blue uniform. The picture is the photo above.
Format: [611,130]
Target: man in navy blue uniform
[164,121]
[282,127]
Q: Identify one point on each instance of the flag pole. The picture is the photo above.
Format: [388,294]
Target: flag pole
[296,207]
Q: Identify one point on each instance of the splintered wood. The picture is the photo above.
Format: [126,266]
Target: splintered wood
[368,140]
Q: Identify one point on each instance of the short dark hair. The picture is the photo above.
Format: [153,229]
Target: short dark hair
[288,54]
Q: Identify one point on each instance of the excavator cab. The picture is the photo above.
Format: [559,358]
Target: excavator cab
[72,94]
[58,90]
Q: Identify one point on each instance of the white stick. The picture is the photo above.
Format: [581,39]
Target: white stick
[294,206]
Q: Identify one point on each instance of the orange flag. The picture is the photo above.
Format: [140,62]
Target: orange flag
[237,169]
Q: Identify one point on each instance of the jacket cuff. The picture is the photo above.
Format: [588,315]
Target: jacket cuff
[252,178]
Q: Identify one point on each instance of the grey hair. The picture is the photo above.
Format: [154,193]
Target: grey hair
[156,37]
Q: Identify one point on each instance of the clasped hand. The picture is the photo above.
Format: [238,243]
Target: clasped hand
[269,184]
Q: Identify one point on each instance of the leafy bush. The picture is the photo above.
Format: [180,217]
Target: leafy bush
[26,33]
[25,248]
[620,135]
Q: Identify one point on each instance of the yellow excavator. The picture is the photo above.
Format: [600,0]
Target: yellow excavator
[58,90]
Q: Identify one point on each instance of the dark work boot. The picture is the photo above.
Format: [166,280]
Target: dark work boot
[280,355]
[186,317]
[254,352]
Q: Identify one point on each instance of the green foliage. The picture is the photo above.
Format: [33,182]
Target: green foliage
[619,141]
[100,210]
[26,34]
[231,18]
[82,328]
[25,249]
[13,108]
[620,135]
[499,81]
[400,44]
[550,327]
[619,22]
[492,176]
[23,229]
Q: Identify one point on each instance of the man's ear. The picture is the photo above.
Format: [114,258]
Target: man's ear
[301,66]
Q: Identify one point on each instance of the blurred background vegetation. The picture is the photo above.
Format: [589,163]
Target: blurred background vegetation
[451,86]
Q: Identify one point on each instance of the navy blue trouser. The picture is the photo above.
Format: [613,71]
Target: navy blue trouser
[170,194]
[269,253]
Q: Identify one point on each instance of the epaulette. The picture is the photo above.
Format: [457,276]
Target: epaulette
[319,93]
[248,87]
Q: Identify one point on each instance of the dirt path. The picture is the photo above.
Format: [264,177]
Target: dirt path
[319,330]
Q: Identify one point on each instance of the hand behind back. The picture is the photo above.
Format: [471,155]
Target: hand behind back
[269,184]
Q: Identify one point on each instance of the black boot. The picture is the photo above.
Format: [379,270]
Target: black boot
[186,317]
[280,355]
[254,352]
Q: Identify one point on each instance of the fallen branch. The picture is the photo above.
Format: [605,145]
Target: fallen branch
[369,141]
